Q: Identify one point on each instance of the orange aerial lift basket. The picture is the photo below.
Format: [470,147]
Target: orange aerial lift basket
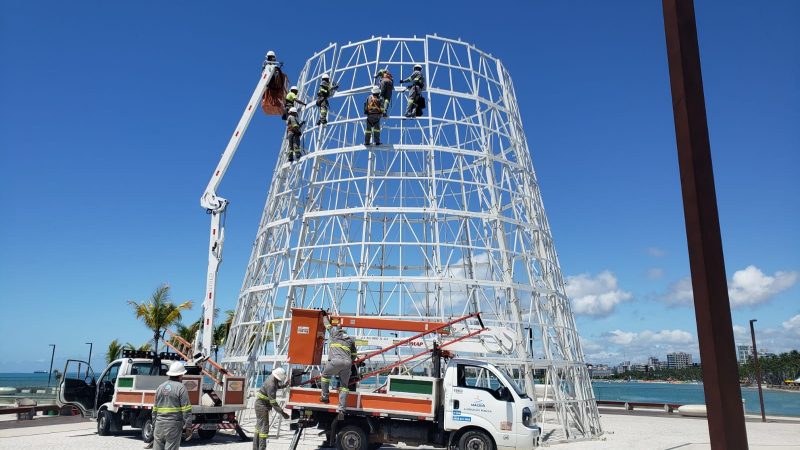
[272,102]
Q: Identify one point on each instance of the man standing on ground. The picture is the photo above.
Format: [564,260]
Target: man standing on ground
[341,354]
[267,400]
[172,412]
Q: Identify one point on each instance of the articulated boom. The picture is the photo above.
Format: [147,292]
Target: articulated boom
[216,206]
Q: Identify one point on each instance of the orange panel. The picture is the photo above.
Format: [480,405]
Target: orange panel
[307,337]
[396,404]
[377,323]
[150,397]
[192,383]
[234,391]
[129,397]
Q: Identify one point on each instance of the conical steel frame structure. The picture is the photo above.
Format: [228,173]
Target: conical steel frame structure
[444,219]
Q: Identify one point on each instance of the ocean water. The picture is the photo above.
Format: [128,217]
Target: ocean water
[31,380]
[776,402]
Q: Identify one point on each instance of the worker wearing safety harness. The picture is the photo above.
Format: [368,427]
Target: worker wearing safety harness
[290,101]
[386,84]
[326,89]
[341,354]
[293,133]
[374,110]
[172,412]
[417,81]
[267,400]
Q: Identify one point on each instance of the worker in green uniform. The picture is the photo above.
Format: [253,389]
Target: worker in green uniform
[326,89]
[291,101]
[373,108]
[172,412]
[266,401]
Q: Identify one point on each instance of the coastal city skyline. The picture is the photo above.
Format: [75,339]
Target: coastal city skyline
[106,183]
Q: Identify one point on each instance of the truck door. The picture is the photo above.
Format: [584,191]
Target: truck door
[78,387]
[482,399]
[105,386]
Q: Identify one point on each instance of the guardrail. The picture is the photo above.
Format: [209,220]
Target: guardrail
[629,406]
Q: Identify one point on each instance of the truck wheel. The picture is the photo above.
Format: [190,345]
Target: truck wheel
[104,423]
[147,430]
[475,440]
[351,437]
[206,434]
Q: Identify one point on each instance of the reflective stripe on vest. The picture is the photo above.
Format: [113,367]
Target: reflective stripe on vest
[172,409]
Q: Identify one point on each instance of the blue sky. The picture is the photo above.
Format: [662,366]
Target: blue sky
[113,116]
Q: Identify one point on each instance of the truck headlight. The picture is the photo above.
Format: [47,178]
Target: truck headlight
[527,416]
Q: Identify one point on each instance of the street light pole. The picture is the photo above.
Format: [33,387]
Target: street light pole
[89,363]
[758,370]
[50,372]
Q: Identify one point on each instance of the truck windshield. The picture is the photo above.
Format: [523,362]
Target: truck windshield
[510,381]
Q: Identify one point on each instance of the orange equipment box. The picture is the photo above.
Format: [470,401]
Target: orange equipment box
[307,338]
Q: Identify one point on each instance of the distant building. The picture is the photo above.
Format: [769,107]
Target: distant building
[678,360]
[743,353]
[624,366]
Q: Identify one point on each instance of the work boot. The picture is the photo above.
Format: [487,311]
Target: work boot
[340,415]
[291,157]
[149,444]
[324,399]
[366,140]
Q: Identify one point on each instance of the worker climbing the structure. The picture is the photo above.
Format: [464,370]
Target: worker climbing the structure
[266,401]
[374,110]
[326,89]
[293,133]
[341,354]
[386,84]
[291,100]
[417,81]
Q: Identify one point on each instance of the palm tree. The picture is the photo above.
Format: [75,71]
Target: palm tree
[142,348]
[114,349]
[159,312]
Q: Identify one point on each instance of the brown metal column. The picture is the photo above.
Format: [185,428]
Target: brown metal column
[712,308]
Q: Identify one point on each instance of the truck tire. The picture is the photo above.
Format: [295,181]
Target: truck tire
[147,430]
[206,434]
[104,423]
[351,437]
[475,440]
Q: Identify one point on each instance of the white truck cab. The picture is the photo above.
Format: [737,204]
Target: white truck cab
[482,396]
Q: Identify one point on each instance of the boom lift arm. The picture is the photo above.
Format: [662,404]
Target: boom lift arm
[216,205]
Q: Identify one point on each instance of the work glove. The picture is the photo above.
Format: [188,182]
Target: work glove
[285,414]
[187,433]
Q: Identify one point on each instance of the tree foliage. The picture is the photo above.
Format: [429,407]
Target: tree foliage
[159,312]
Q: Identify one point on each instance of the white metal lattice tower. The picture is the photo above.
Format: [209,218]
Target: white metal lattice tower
[444,219]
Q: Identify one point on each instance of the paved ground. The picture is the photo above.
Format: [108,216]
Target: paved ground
[624,430]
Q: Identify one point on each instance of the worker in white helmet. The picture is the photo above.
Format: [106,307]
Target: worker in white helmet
[266,401]
[269,59]
[172,412]
[386,84]
[294,129]
[291,101]
[373,108]
[326,89]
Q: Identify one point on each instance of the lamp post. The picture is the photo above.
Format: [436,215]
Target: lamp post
[89,363]
[758,370]
[50,372]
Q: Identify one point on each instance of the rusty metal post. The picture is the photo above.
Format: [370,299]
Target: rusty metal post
[712,307]
[758,369]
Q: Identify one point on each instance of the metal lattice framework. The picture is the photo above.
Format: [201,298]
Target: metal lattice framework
[443,220]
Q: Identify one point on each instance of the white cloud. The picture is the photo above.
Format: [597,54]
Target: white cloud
[679,292]
[666,336]
[748,287]
[595,296]
[655,273]
[655,252]
[792,325]
[620,337]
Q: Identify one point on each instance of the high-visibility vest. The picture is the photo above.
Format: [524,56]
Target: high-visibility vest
[374,105]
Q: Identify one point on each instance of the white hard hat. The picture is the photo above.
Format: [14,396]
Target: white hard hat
[270,53]
[280,374]
[325,76]
[292,110]
[176,369]
[293,88]
[376,90]
[417,66]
